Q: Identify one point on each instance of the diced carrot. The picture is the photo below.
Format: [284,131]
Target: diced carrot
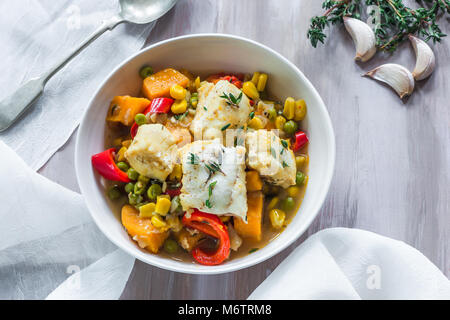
[142,230]
[124,108]
[253,228]
[254,182]
[159,84]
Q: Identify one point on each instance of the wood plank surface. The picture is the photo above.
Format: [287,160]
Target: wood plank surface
[392,164]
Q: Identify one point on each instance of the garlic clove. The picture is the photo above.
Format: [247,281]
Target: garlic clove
[396,76]
[363,37]
[425,60]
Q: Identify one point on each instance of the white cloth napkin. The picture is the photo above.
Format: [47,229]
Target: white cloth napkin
[47,237]
[50,247]
[345,263]
[36,34]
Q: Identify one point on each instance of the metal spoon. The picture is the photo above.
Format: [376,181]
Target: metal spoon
[134,11]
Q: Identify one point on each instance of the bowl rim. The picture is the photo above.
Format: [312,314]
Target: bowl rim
[224,268]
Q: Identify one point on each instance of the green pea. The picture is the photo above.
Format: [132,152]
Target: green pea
[272,112]
[129,187]
[114,192]
[290,127]
[170,246]
[154,191]
[123,166]
[141,184]
[145,72]
[288,204]
[132,174]
[134,199]
[140,119]
[300,178]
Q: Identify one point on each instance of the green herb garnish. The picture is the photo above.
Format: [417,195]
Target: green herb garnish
[194,159]
[253,250]
[251,115]
[274,154]
[225,127]
[284,143]
[285,164]
[396,20]
[210,190]
[231,99]
[181,116]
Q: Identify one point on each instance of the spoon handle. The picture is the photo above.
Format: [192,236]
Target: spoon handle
[14,105]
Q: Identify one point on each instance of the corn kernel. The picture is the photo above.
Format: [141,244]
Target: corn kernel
[177,92]
[256,123]
[117,141]
[289,108]
[277,218]
[176,173]
[262,82]
[146,211]
[197,82]
[300,110]
[179,106]
[255,78]
[250,90]
[162,205]
[279,122]
[300,161]
[272,204]
[121,154]
[126,143]
[164,196]
[174,223]
[158,222]
[293,191]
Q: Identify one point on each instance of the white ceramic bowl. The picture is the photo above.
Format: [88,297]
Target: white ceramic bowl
[204,54]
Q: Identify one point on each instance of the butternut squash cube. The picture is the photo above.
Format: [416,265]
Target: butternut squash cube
[124,108]
[159,84]
[253,228]
[142,230]
[254,182]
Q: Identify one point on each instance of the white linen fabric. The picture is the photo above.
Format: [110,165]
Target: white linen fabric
[36,33]
[50,247]
[342,263]
[47,236]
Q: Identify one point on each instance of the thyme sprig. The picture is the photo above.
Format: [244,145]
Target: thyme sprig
[231,99]
[396,20]
[210,190]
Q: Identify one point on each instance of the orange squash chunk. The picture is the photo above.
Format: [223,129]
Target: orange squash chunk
[141,229]
[159,84]
[252,229]
[253,182]
[124,108]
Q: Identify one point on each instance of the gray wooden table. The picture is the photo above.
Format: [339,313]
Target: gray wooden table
[393,159]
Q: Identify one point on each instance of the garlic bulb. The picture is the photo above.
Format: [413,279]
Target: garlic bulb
[396,76]
[363,37]
[425,59]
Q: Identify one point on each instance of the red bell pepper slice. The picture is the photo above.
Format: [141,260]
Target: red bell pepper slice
[213,226]
[300,140]
[133,130]
[104,163]
[173,192]
[158,105]
[234,79]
